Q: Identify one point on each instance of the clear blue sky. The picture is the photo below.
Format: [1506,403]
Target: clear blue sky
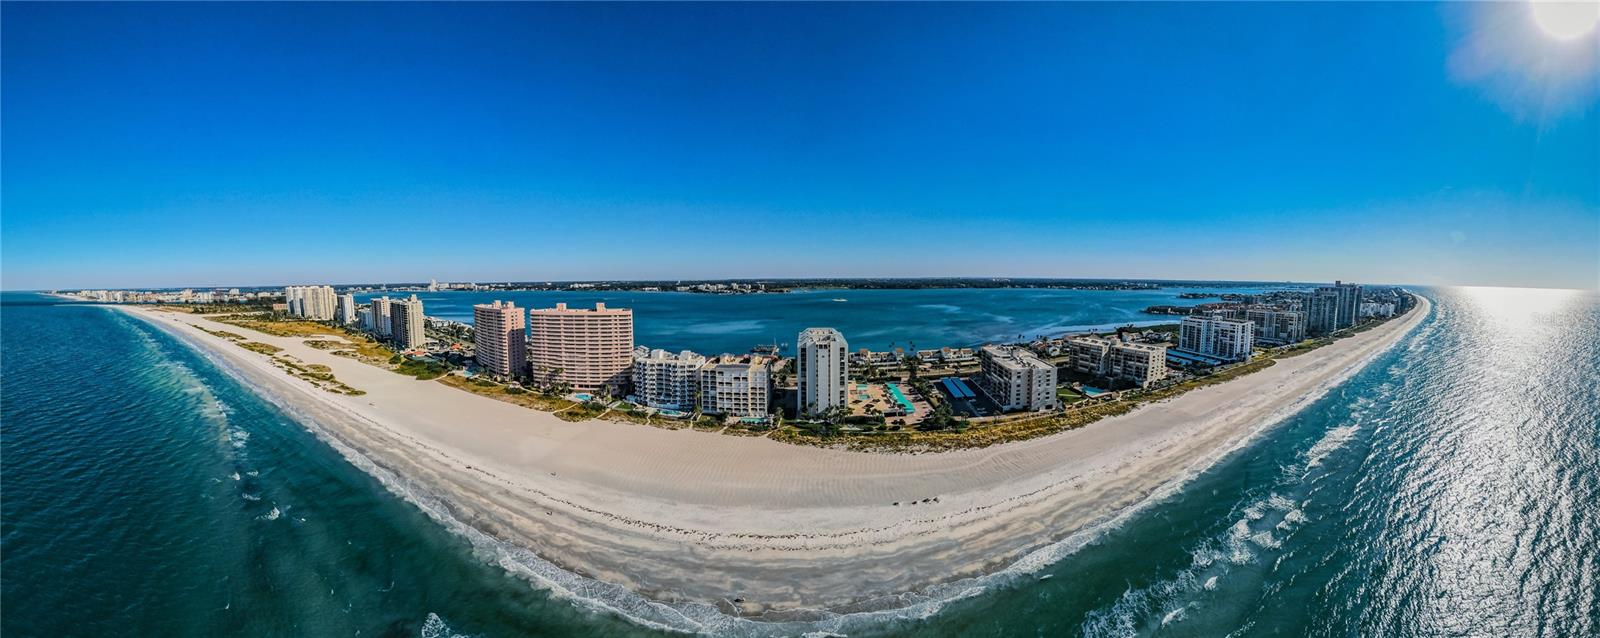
[243,144]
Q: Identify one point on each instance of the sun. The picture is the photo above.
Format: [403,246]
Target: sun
[1566,20]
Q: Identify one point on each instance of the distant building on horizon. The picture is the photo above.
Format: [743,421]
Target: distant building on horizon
[1225,339]
[822,369]
[589,349]
[408,323]
[499,338]
[1017,379]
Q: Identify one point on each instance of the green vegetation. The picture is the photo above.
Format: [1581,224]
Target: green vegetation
[222,333]
[942,431]
[319,375]
[263,348]
[278,325]
[1170,329]
[422,369]
[582,411]
[510,394]
[216,308]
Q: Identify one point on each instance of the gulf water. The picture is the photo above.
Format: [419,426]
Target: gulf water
[876,319]
[1449,488]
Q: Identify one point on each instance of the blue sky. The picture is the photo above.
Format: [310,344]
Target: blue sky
[244,144]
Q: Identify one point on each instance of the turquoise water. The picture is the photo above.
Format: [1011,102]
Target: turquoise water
[876,319]
[900,398]
[1452,487]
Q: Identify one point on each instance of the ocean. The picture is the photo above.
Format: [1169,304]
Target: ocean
[1451,487]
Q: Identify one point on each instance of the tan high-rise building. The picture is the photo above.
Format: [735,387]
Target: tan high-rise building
[499,338]
[407,320]
[382,318]
[589,349]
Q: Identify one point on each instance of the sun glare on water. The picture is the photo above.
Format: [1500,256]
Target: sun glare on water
[1565,20]
[1518,306]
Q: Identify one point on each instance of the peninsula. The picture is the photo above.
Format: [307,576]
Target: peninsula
[689,520]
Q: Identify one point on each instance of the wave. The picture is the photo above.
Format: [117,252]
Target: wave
[435,627]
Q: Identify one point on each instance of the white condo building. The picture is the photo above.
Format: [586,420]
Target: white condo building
[1277,327]
[381,316]
[665,380]
[822,369]
[408,323]
[1112,358]
[311,302]
[737,386]
[500,338]
[1349,296]
[1017,379]
[346,313]
[1225,339]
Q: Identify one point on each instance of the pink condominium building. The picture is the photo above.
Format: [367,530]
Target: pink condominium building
[499,338]
[588,349]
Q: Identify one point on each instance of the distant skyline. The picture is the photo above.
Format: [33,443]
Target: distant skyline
[170,145]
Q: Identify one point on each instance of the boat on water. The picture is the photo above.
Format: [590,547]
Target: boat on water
[841,300]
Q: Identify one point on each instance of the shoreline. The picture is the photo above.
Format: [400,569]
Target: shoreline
[693,521]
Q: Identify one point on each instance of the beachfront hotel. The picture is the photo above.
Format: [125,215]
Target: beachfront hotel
[1277,327]
[1349,300]
[1216,337]
[737,386]
[1017,379]
[380,317]
[822,369]
[588,349]
[499,338]
[311,302]
[407,322]
[664,380]
[1113,358]
[346,313]
[1330,308]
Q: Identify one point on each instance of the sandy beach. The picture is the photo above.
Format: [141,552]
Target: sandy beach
[758,528]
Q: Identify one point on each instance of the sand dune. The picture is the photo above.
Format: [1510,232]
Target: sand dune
[681,515]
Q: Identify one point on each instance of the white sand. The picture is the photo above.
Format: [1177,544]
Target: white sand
[680,515]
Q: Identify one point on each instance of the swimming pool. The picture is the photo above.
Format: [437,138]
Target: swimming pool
[1091,391]
[900,398]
